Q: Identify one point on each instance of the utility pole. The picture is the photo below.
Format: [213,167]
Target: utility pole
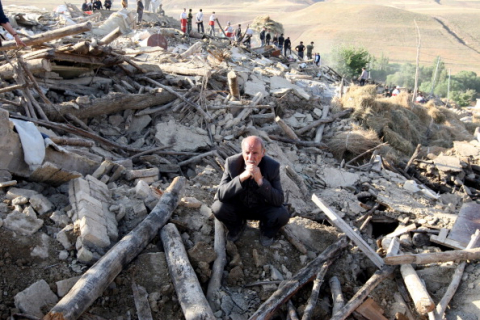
[415,88]
[448,88]
[435,77]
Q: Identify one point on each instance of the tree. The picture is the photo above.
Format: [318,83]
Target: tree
[465,98]
[350,60]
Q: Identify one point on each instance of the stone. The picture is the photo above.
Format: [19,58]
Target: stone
[448,164]
[281,83]
[202,252]
[41,204]
[255,85]
[190,202]
[93,234]
[63,286]
[142,189]
[19,222]
[18,201]
[174,133]
[466,149]
[235,276]
[41,250]
[66,237]
[36,297]
[139,123]
[335,178]
[60,218]
[18,192]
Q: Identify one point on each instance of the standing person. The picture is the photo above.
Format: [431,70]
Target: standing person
[268,37]
[250,189]
[199,20]
[300,49]
[183,20]
[395,92]
[97,5]
[5,23]
[309,50]
[287,45]
[275,40]
[238,33]
[364,76]
[85,6]
[281,40]
[247,41]
[262,37]
[107,4]
[317,59]
[140,8]
[229,30]
[211,23]
[189,21]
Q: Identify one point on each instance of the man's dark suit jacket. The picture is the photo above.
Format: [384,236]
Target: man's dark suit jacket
[248,193]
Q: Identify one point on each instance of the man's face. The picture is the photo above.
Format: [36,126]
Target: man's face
[252,152]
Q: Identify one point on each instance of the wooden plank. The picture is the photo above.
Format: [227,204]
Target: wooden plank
[371,310]
[343,226]
[467,223]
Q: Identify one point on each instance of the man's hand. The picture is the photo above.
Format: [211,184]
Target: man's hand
[252,172]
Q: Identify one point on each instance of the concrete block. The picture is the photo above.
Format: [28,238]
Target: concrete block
[19,201]
[63,286]
[92,233]
[18,192]
[66,237]
[36,297]
[142,189]
[147,180]
[19,222]
[84,255]
[139,209]
[41,204]
[448,164]
[60,218]
[178,132]
[98,189]
[335,178]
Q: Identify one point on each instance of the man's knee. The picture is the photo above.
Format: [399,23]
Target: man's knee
[282,215]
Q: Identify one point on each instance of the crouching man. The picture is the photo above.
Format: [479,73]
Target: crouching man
[251,190]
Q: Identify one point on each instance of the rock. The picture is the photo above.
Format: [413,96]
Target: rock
[42,249]
[41,204]
[139,123]
[255,85]
[202,252]
[36,297]
[335,178]
[466,149]
[19,222]
[182,138]
[448,164]
[190,202]
[63,286]
[235,276]
[280,83]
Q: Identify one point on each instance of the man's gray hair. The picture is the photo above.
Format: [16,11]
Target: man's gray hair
[257,139]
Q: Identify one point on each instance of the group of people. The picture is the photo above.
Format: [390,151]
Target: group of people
[96,5]
[153,5]
[186,21]
[391,92]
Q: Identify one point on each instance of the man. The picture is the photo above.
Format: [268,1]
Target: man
[309,50]
[189,21]
[300,49]
[97,5]
[211,23]
[248,37]
[395,92]
[238,34]
[229,30]
[107,4]
[199,20]
[183,20]
[85,6]
[317,59]
[140,8]
[250,189]
[363,76]
[268,37]
[262,37]
[281,40]
[287,45]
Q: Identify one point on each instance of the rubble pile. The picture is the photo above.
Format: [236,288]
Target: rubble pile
[113,142]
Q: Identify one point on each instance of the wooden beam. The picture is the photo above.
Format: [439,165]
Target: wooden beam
[422,300]
[425,258]
[344,227]
[189,292]
[218,265]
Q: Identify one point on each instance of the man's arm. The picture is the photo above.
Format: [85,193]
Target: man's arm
[271,188]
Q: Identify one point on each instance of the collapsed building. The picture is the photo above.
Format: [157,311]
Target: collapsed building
[113,142]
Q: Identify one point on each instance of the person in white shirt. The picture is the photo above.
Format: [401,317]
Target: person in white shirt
[183,20]
[211,23]
[229,30]
[199,20]
[395,92]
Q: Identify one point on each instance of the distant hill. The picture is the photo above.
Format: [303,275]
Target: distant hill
[448,28]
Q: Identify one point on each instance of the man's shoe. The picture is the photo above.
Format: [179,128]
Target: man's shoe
[234,235]
[266,241]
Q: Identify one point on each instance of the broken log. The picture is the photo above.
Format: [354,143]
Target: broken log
[421,299]
[456,278]
[319,132]
[326,120]
[8,183]
[414,155]
[299,142]
[72,142]
[35,66]
[185,70]
[96,279]
[218,265]
[292,313]
[189,292]
[140,296]
[344,227]
[361,294]
[110,37]
[111,103]
[337,295]
[366,152]
[289,287]
[197,158]
[49,35]
[425,258]
[11,88]
[317,283]
[197,46]
[299,181]
[286,128]
[233,85]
